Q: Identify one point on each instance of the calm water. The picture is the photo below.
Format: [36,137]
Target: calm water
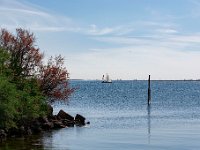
[120,118]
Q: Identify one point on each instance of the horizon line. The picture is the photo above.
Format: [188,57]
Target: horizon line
[138,79]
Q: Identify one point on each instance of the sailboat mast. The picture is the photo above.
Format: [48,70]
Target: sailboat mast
[103,78]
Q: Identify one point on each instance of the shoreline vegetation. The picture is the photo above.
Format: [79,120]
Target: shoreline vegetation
[28,87]
[44,123]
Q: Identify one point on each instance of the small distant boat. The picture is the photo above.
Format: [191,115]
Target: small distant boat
[106,79]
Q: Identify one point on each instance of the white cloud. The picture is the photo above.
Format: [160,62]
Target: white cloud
[168,56]
[130,28]
[167,31]
[95,31]
[195,38]
[16,14]
[116,30]
[136,62]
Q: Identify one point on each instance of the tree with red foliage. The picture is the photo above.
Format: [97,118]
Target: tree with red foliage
[54,79]
[26,59]
[26,62]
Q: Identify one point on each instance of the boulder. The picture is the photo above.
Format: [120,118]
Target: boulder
[68,123]
[43,120]
[47,125]
[58,125]
[63,115]
[79,120]
[54,117]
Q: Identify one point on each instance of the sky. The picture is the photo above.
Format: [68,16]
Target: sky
[128,39]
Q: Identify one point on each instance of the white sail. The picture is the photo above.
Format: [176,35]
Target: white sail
[106,79]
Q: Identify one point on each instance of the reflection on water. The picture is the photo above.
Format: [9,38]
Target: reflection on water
[149,122]
[27,143]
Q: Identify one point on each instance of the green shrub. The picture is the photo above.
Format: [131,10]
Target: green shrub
[9,103]
[20,100]
[32,102]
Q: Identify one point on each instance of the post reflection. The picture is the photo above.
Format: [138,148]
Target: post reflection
[149,122]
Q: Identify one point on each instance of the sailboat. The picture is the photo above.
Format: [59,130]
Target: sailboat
[106,79]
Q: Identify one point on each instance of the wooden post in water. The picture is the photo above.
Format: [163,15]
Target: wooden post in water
[149,91]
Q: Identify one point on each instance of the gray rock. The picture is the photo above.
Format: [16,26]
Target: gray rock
[68,123]
[58,125]
[47,125]
[63,115]
[80,120]
[43,120]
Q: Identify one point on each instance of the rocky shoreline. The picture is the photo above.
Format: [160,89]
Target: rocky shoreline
[41,124]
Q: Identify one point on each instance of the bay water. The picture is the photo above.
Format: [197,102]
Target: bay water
[121,119]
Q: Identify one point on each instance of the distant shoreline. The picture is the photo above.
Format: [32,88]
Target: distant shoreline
[136,80]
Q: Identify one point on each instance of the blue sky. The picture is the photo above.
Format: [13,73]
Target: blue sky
[128,39]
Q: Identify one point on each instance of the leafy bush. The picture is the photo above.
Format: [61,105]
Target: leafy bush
[26,83]
[9,103]
[18,106]
[32,103]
